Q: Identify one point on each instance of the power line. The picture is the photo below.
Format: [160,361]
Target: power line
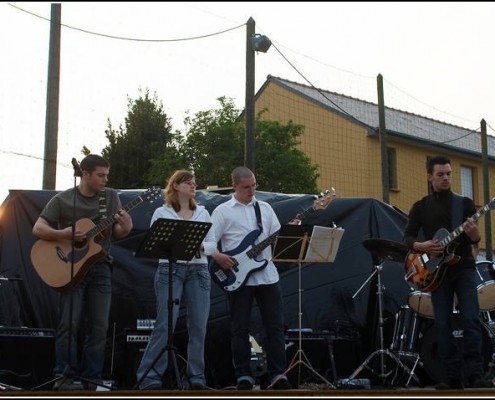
[130,38]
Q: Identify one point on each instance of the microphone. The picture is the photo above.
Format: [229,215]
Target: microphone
[77,167]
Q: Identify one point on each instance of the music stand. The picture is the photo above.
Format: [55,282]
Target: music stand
[305,243]
[174,240]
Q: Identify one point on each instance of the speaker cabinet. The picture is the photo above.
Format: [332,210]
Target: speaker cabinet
[331,357]
[27,356]
[315,351]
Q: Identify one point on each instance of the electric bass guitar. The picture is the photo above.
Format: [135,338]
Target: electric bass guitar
[52,259]
[244,255]
[425,273]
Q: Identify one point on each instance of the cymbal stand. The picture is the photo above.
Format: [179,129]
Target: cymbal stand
[382,352]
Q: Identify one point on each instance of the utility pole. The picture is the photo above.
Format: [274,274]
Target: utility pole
[383,141]
[486,189]
[249,141]
[52,100]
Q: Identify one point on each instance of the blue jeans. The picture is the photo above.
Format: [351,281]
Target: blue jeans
[90,301]
[192,284]
[269,300]
[461,281]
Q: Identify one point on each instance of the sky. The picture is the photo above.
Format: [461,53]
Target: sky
[436,59]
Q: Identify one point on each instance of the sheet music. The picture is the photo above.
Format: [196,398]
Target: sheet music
[323,244]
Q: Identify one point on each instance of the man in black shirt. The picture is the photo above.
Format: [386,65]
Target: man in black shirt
[436,211]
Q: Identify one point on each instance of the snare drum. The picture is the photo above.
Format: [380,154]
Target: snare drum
[421,303]
[486,287]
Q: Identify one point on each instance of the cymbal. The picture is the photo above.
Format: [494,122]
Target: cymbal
[386,249]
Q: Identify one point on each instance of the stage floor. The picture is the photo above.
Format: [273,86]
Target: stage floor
[296,393]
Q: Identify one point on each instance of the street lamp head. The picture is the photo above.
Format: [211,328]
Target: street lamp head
[260,43]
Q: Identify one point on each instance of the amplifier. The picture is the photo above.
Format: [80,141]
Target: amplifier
[145,324]
[135,344]
[332,356]
[23,332]
[27,356]
[137,335]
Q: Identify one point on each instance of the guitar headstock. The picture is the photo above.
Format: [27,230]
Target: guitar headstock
[491,204]
[324,199]
[151,194]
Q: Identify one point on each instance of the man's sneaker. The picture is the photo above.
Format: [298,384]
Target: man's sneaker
[244,384]
[282,384]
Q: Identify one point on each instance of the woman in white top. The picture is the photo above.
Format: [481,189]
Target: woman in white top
[191,280]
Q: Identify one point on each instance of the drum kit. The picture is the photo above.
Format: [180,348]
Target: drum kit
[414,338]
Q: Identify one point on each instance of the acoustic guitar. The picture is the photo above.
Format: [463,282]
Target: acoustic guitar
[52,259]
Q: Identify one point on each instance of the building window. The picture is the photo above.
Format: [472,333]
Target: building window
[467,181]
[392,168]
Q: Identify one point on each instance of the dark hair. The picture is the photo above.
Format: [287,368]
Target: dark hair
[171,196]
[91,161]
[437,160]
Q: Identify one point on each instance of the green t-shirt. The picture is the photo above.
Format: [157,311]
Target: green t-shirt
[59,213]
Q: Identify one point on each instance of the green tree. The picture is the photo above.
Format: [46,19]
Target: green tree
[215,145]
[147,136]
[147,151]
[280,166]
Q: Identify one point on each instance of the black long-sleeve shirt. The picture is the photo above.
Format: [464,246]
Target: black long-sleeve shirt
[433,212]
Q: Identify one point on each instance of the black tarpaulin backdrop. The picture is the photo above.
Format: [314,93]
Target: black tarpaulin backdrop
[329,297]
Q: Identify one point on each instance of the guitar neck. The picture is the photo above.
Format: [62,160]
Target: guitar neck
[109,221]
[259,247]
[305,213]
[457,231]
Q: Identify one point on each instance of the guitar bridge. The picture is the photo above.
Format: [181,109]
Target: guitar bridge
[221,276]
[61,254]
[412,271]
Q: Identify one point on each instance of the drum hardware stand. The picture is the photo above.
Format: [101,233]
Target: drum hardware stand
[292,238]
[371,244]
[174,240]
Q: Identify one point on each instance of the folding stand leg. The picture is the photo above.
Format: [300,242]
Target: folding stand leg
[297,359]
[170,347]
[411,372]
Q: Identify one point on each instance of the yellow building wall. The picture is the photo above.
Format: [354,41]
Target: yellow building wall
[349,159]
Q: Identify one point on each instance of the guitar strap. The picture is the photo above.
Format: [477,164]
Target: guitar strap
[457,210]
[102,204]
[258,216]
